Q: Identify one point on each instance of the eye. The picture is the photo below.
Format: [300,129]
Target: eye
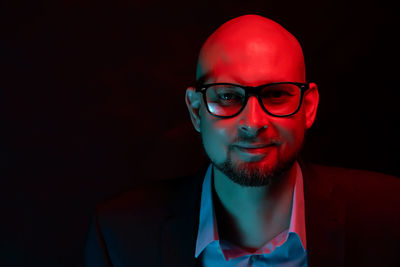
[225,95]
[228,96]
[275,94]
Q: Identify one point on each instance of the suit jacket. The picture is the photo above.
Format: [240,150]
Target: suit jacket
[352,219]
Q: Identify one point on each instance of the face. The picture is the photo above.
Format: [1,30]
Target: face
[253,146]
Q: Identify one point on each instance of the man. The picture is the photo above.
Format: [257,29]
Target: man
[256,205]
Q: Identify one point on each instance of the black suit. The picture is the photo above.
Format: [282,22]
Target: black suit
[352,219]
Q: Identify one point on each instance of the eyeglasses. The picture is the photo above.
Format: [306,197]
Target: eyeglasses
[226,100]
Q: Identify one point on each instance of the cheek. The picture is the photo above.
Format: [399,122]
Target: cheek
[216,134]
[291,132]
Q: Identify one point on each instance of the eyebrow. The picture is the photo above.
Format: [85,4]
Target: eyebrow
[202,79]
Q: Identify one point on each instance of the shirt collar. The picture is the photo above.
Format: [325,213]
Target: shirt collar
[208,231]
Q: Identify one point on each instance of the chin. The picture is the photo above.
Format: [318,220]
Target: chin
[253,174]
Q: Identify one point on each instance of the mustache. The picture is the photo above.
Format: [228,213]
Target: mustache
[251,138]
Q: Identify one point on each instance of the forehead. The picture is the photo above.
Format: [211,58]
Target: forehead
[251,52]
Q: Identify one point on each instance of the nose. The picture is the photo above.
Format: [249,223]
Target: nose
[253,119]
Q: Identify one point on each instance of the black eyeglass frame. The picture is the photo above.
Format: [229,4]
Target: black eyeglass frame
[253,90]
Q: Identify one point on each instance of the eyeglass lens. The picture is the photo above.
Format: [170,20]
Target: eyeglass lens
[278,99]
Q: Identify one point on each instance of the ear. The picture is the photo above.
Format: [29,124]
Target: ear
[193,102]
[310,102]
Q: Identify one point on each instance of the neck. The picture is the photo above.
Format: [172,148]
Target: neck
[251,216]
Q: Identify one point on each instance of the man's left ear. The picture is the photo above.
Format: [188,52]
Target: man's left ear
[310,102]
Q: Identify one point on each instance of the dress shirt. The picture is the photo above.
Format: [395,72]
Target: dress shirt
[285,249]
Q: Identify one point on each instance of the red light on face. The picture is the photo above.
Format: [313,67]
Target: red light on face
[252,51]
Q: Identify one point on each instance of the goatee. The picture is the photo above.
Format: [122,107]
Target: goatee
[251,174]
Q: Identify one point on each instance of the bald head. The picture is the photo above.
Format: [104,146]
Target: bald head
[251,50]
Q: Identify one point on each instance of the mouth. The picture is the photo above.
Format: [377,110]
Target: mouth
[254,149]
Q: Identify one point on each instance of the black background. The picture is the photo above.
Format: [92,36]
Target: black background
[92,103]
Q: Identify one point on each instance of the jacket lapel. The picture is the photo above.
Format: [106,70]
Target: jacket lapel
[325,209]
[179,231]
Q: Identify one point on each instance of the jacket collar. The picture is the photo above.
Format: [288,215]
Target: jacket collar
[180,228]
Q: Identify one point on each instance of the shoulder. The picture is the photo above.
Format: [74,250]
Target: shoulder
[360,180]
[371,198]
[147,203]
[147,195]
[129,227]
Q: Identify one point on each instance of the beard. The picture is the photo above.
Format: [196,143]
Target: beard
[254,174]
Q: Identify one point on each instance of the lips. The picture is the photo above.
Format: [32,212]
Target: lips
[255,148]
